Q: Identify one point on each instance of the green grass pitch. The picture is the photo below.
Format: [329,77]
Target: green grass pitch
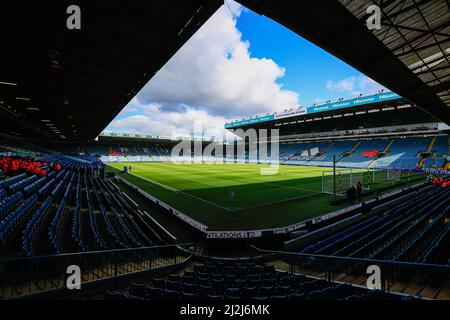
[234,196]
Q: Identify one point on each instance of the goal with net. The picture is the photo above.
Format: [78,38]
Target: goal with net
[345,178]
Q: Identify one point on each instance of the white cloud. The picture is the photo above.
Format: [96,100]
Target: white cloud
[213,78]
[215,71]
[354,85]
[152,120]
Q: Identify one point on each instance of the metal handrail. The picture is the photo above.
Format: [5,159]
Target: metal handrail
[353,260]
[72,254]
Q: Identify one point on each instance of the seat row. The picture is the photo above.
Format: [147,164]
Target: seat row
[264,286]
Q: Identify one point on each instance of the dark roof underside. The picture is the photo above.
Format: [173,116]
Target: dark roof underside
[79,80]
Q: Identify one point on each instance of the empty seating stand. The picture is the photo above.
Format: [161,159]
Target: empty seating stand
[400,153]
[67,211]
[414,231]
[236,280]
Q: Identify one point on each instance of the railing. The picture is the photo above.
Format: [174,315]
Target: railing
[34,275]
[426,280]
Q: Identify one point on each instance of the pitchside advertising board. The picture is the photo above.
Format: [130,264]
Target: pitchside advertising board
[348,103]
[233,234]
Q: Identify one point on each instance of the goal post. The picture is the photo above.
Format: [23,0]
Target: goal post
[347,177]
[390,176]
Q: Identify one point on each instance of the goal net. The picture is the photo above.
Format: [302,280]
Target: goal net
[391,176]
[345,178]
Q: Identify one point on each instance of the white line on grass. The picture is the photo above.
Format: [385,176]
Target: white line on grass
[274,202]
[234,209]
[230,209]
[288,187]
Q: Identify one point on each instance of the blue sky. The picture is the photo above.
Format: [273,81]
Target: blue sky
[308,67]
[237,65]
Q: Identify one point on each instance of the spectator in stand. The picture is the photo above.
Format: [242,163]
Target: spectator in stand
[349,195]
[15,166]
[30,168]
[435,182]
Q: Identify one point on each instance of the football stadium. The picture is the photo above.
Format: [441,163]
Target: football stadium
[346,198]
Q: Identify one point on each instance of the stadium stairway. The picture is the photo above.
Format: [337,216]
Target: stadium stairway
[349,153]
[432,142]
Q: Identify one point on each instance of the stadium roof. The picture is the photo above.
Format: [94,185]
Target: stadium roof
[107,135]
[409,55]
[352,104]
[379,114]
[69,84]
[57,83]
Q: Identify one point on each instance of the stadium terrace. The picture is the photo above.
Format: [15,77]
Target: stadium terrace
[344,187]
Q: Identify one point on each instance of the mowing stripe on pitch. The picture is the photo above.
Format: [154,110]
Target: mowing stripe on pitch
[182,192]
